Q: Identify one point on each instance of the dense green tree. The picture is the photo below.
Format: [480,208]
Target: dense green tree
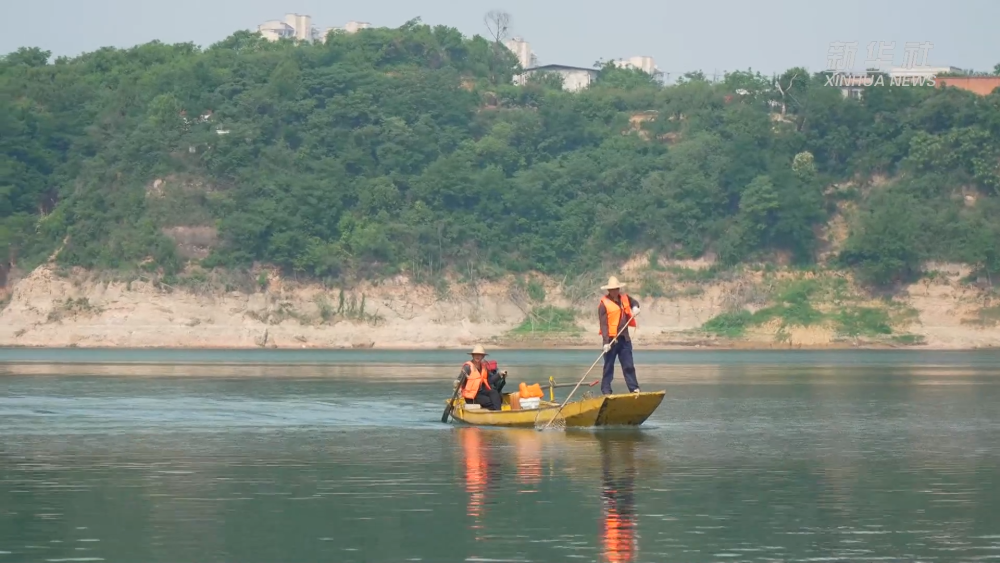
[412,148]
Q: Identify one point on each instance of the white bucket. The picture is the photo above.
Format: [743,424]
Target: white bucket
[472,406]
[531,403]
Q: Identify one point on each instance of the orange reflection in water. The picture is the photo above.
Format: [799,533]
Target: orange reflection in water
[618,535]
[476,475]
[528,453]
[619,540]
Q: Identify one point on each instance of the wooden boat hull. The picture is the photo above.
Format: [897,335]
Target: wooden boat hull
[626,409]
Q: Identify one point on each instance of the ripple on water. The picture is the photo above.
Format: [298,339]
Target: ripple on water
[846,466]
[71,415]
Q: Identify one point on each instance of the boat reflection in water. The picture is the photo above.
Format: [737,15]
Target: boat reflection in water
[479,472]
[619,538]
[605,461]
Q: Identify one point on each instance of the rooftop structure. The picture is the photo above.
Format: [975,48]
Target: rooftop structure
[643,63]
[299,26]
[574,77]
[522,50]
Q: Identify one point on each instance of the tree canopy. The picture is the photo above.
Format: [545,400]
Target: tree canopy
[389,150]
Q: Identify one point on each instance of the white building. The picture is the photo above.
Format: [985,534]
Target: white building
[302,25]
[854,85]
[275,29]
[349,27]
[574,77]
[354,27]
[294,26]
[299,26]
[320,35]
[643,63]
[923,72]
[522,50]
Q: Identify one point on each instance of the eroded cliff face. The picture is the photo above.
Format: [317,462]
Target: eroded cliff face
[45,309]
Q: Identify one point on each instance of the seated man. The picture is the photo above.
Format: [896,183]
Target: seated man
[478,388]
[497,379]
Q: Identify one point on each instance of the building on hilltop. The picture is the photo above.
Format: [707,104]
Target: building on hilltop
[299,26]
[321,35]
[854,85]
[923,72]
[354,27]
[349,27]
[522,50]
[574,77]
[294,26]
[302,24]
[274,30]
[982,85]
[643,63]
[851,85]
[958,78]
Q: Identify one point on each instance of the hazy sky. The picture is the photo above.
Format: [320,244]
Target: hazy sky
[714,36]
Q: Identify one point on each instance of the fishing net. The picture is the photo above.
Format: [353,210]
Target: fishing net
[558,420]
[558,423]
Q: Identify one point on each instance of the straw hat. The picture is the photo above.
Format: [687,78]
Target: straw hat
[613,283]
[478,350]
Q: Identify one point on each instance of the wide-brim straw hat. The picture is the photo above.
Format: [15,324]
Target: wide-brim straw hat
[478,350]
[613,283]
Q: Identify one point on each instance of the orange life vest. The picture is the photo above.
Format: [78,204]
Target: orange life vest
[475,380]
[615,314]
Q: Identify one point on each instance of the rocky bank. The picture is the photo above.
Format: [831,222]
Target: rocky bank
[46,309]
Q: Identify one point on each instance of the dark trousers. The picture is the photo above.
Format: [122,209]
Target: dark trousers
[488,399]
[622,350]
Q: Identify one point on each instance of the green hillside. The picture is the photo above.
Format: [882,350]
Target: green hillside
[409,150]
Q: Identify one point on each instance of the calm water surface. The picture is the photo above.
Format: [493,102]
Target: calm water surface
[175,456]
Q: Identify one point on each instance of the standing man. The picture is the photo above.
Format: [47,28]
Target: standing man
[615,309]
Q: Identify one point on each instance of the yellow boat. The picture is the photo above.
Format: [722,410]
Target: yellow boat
[626,409]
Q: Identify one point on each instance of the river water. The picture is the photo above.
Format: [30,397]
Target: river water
[177,456]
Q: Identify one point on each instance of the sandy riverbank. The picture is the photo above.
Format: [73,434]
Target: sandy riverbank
[47,310]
